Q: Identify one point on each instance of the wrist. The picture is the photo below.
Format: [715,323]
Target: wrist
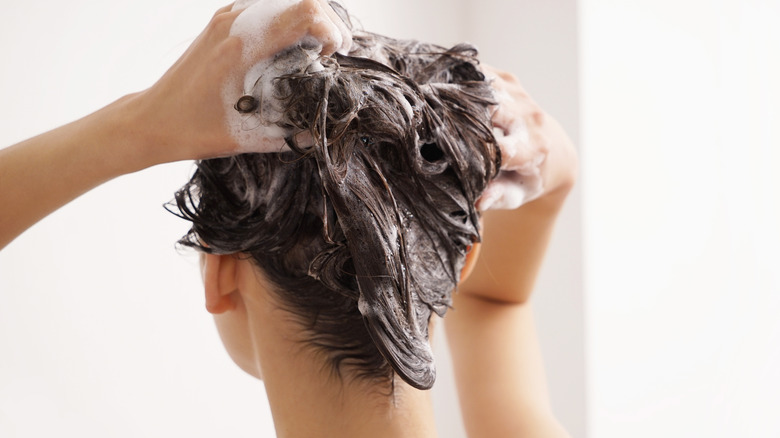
[104,144]
[134,140]
[560,168]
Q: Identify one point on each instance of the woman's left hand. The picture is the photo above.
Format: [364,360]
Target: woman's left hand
[538,157]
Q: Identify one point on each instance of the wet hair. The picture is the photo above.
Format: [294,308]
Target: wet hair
[364,233]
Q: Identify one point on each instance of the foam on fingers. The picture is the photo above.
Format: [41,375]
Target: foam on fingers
[268,29]
[291,21]
[517,126]
[253,23]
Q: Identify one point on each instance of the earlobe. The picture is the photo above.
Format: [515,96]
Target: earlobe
[219,281]
[472,255]
[471,260]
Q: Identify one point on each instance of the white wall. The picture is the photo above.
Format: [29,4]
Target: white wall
[680,146]
[538,41]
[102,327]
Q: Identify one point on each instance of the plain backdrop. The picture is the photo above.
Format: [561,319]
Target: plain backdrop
[657,305]
[681,152]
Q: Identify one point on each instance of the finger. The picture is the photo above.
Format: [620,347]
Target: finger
[520,137]
[240,5]
[224,9]
[509,119]
[220,25]
[321,22]
[266,28]
[327,34]
[510,190]
[346,33]
[290,26]
[505,77]
[522,152]
[502,81]
[513,89]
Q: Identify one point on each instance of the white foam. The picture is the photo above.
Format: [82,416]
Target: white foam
[257,131]
[510,190]
[522,155]
[253,22]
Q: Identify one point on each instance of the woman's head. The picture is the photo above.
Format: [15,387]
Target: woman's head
[363,233]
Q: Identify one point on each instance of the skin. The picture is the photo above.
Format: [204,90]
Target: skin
[524,147]
[498,366]
[264,32]
[499,370]
[306,399]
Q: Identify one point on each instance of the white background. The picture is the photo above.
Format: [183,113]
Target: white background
[681,148]
[657,305]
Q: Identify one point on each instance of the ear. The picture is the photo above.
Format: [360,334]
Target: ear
[472,255]
[219,281]
[471,260]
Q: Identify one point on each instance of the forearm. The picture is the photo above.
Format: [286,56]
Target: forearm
[498,364]
[512,251]
[499,370]
[514,242]
[41,174]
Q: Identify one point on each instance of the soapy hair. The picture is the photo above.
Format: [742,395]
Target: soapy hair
[364,233]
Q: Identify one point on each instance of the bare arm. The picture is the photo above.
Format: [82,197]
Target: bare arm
[182,116]
[154,126]
[41,174]
[498,365]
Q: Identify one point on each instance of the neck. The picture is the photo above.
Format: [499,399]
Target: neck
[309,400]
[306,408]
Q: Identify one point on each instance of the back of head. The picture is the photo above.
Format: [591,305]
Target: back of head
[364,232]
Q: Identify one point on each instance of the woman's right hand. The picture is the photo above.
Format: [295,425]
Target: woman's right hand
[186,114]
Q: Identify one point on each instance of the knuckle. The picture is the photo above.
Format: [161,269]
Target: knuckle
[537,116]
[231,48]
[507,76]
[223,9]
[543,144]
[310,7]
[221,21]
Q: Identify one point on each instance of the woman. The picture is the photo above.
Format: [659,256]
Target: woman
[489,305]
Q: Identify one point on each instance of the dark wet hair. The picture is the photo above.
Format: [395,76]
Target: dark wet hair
[363,234]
